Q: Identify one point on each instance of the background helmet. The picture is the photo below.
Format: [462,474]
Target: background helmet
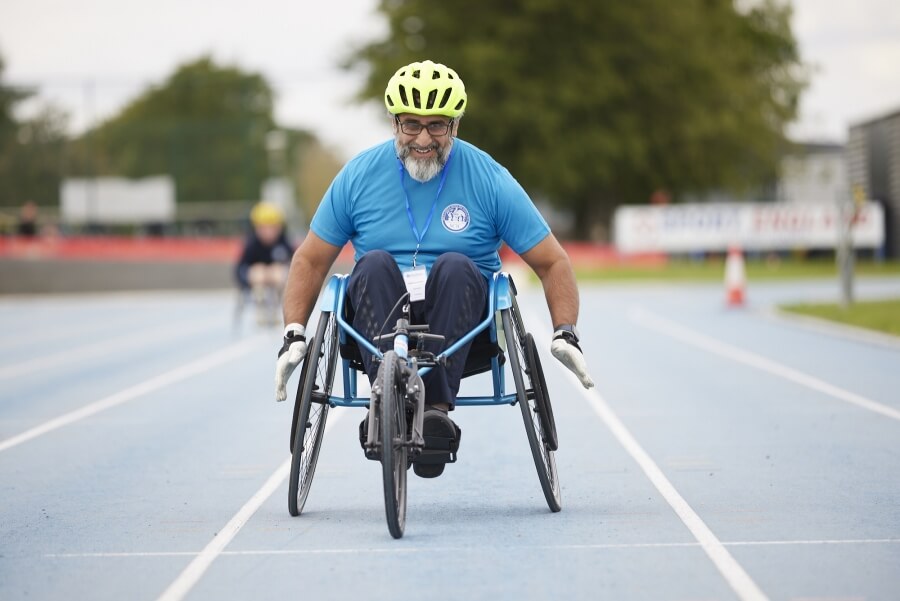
[426,88]
[266,213]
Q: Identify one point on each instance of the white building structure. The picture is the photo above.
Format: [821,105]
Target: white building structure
[814,174]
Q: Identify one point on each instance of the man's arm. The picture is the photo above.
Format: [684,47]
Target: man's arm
[551,264]
[309,267]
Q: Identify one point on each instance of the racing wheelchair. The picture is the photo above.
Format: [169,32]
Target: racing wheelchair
[396,403]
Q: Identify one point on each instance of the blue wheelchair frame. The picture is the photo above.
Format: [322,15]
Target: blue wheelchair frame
[315,397]
[500,296]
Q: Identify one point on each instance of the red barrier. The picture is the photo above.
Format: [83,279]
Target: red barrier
[227,250]
[111,248]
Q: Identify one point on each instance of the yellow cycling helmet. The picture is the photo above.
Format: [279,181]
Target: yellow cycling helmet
[266,213]
[426,88]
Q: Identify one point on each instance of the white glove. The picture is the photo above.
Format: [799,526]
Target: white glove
[289,357]
[565,348]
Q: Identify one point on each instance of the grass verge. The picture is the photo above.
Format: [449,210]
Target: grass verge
[881,316]
[711,270]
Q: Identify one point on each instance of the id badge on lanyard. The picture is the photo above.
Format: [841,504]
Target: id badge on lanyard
[415,279]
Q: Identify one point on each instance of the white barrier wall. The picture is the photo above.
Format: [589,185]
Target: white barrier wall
[752,226]
[117,200]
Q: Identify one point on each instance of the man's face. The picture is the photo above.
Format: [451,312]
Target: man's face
[268,233]
[423,153]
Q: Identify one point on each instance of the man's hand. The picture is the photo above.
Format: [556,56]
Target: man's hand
[289,357]
[565,348]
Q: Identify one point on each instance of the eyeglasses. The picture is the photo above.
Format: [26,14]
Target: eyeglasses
[414,128]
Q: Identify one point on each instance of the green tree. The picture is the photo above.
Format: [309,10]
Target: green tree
[31,149]
[206,126]
[592,104]
[316,167]
[9,97]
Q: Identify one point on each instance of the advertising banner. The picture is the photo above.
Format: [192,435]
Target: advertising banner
[689,228]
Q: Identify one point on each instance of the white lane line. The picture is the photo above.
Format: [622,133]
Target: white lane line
[486,549]
[738,579]
[104,347]
[115,554]
[672,329]
[229,353]
[852,541]
[191,575]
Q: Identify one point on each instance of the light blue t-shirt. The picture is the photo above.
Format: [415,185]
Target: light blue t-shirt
[480,206]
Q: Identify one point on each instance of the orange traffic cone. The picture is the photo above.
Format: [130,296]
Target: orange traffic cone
[735,277]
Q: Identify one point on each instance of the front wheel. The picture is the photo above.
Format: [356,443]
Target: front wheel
[394,447]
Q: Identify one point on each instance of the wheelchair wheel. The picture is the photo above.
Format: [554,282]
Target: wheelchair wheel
[541,393]
[393,444]
[311,410]
[530,390]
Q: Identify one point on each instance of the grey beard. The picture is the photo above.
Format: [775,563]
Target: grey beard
[422,170]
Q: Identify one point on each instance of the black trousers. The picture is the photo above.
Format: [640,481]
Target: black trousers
[455,302]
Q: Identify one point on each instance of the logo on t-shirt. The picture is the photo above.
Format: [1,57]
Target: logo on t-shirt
[455,218]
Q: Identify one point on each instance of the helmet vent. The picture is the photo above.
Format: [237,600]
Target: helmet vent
[445,98]
[432,95]
[403,97]
[389,99]
[417,98]
[417,74]
[459,104]
[435,75]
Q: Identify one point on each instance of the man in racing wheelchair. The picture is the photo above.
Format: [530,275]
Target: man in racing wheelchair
[262,267]
[426,213]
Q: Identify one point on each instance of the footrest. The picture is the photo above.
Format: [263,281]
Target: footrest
[427,457]
[438,449]
[441,443]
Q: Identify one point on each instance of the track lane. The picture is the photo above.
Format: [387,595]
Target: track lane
[797,489]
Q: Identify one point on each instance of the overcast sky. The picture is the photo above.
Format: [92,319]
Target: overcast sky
[91,56]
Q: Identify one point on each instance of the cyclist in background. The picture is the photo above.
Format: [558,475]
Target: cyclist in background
[263,267]
[426,213]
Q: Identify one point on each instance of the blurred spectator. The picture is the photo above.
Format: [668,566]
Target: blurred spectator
[28,220]
[263,266]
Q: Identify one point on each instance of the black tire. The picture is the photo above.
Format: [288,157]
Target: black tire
[544,459]
[311,410]
[541,394]
[393,444]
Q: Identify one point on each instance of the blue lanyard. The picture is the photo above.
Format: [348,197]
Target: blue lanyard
[412,221]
